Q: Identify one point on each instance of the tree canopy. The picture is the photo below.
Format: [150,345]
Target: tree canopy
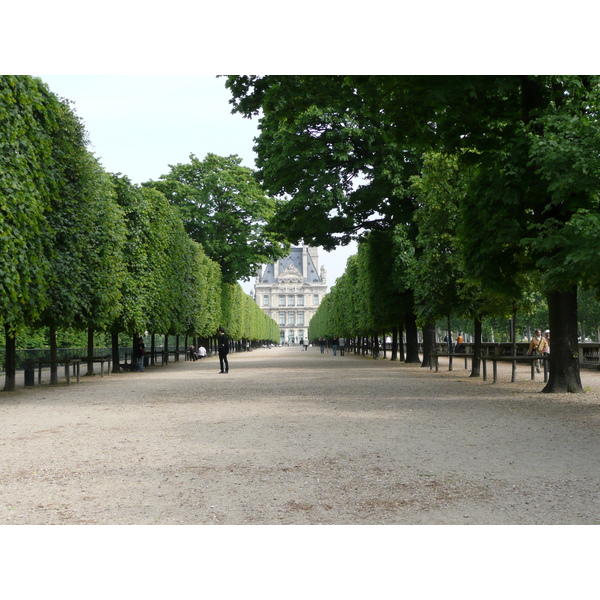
[351,144]
[226,211]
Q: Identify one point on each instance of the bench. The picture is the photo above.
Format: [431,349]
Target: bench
[514,360]
[450,356]
[101,360]
[68,362]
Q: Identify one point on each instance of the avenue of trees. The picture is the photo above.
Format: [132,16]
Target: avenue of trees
[89,250]
[471,195]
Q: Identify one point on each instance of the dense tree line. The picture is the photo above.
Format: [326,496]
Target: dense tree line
[89,250]
[472,195]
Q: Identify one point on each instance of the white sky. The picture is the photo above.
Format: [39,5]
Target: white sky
[138,125]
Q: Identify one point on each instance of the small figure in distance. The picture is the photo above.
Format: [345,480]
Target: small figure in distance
[537,346]
[223,351]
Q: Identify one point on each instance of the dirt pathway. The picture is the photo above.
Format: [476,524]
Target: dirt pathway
[292,437]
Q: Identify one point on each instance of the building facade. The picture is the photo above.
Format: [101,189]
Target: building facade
[290,291]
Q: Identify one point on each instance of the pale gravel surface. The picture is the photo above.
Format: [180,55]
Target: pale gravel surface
[292,437]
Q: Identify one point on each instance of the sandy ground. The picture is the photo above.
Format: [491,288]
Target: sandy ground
[292,437]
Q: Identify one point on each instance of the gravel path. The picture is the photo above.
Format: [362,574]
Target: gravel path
[292,437]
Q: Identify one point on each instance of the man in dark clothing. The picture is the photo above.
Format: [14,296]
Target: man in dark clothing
[223,351]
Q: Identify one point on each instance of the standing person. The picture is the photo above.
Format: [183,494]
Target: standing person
[449,342]
[538,345]
[334,345]
[223,351]
[547,336]
[322,344]
[305,340]
[139,349]
[342,342]
[460,345]
[193,355]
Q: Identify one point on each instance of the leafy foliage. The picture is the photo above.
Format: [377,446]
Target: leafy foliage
[226,211]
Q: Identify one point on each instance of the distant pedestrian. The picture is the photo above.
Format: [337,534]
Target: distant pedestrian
[305,340]
[538,346]
[322,344]
[334,345]
[449,342]
[139,350]
[342,342]
[223,347]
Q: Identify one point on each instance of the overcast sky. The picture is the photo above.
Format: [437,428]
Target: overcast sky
[138,125]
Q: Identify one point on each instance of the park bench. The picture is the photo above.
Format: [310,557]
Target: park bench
[68,362]
[450,355]
[101,360]
[514,360]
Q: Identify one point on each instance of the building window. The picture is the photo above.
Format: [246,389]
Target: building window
[282,318]
[266,300]
[300,322]
[281,300]
[300,301]
[290,300]
[316,300]
[291,320]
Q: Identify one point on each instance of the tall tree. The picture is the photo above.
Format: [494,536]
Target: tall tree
[226,211]
[29,181]
[532,140]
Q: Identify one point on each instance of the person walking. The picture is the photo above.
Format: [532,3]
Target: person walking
[322,344]
[223,347]
[334,345]
[139,350]
[342,342]
[539,345]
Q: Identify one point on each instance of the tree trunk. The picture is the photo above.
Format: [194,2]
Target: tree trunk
[564,354]
[10,360]
[116,365]
[90,351]
[394,343]
[428,343]
[475,370]
[53,355]
[412,340]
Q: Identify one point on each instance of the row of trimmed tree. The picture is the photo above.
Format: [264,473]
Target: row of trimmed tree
[86,249]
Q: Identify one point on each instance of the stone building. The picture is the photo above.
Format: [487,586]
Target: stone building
[290,291]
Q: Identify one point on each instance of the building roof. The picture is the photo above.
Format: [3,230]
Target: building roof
[293,264]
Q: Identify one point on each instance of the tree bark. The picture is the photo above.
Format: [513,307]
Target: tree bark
[116,365]
[394,343]
[475,370]
[564,352]
[10,360]
[428,343]
[412,340]
[90,352]
[53,355]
